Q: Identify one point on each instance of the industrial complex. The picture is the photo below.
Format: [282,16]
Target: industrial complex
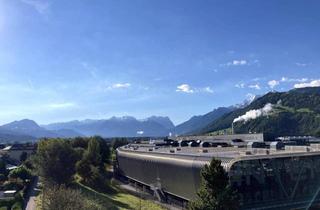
[267,175]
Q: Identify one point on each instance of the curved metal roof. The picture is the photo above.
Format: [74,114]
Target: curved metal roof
[227,155]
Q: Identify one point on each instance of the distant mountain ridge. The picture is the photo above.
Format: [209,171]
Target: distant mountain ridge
[127,126]
[197,122]
[118,126]
[29,130]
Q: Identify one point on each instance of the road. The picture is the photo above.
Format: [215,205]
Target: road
[31,205]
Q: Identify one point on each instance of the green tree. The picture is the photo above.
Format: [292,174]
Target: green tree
[104,150]
[56,160]
[3,167]
[80,142]
[215,192]
[93,152]
[23,156]
[118,142]
[3,178]
[22,172]
[79,152]
[83,168]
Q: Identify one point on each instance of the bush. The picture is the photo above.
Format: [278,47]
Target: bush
[61,198]
[13,204]
[23,156]
[13,185]
[3,178]
[22,173]
[17,206]
[3,169]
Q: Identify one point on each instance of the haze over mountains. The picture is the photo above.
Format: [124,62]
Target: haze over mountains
[118,126]
[295,112]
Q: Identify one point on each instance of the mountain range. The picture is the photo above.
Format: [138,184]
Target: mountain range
[196,123]
[118,126]
[296,112]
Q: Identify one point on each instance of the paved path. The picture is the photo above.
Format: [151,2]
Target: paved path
[31,205]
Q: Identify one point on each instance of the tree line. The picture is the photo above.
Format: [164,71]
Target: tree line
[61,162]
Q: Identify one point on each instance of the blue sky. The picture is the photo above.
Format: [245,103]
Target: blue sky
[77,59]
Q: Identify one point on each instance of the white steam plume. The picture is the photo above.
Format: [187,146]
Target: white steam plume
[253,114]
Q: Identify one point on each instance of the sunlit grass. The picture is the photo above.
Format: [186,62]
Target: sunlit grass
[117,200]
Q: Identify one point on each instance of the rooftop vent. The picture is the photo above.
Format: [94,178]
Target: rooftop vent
[193,144]
[246,153]
[205,144]
[204,150]
[276,145]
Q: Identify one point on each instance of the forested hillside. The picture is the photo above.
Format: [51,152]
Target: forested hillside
[296,112]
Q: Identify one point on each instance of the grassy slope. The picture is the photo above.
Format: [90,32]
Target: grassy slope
[117,200]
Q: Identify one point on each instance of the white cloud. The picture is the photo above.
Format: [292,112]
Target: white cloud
[256,86]
[237,63]
[241,62]
[41,6]
[240,85]
[273,83]
[302,64]
[188,89]
[61,105]
[184,88]
[256,61]
[120,85]
[207,89]
[257,79]
[286,79]
[314,83]
[140,132]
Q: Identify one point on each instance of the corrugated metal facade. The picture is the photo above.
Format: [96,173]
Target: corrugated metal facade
[178,175]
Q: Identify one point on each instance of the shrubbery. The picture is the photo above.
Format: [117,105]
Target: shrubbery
[62,198]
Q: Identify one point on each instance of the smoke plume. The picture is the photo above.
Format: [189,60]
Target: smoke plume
[253,114]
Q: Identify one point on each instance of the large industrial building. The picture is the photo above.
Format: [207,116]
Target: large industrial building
[267,175]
